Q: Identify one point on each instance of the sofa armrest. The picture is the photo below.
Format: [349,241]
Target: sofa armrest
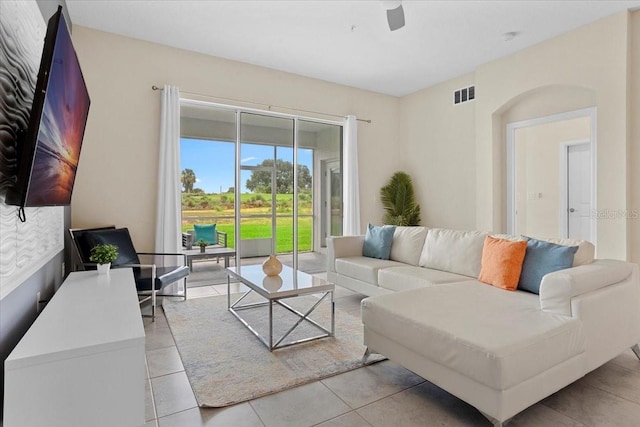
[558,288]
[342,246]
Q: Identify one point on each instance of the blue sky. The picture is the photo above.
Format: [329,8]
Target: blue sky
[214,166]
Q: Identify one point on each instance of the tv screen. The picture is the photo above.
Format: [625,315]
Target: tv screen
[50,150]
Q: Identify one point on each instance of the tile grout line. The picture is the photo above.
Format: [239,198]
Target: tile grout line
[183,370]
[342,415]
[612,393]
[392,394]
[168,373]
[256,412]
[153,398]
[339,398]
[374,401]
[618,365]
[159,348]
[560,412]
[182,363]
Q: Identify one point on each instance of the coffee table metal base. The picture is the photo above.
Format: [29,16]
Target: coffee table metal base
[302,317]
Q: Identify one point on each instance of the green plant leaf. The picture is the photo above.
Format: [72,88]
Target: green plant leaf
[398,200]
[103,254]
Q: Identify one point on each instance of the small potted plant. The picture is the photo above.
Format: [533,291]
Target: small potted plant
[202,245]
[104,255]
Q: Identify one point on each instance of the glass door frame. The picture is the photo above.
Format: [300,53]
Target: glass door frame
[237,190]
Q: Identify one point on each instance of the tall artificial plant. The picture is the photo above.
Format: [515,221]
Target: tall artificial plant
[399,201]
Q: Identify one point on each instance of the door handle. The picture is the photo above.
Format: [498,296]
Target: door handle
[572,210]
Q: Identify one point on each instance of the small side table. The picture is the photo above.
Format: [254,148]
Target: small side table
[209,253]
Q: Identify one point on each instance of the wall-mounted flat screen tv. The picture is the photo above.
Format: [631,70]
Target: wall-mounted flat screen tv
[49,151]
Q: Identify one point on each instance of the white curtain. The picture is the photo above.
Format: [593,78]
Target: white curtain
[168,217]
[351,191]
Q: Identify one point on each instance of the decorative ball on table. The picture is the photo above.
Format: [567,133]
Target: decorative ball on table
[272,266]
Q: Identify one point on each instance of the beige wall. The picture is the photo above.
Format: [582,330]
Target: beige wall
[634,158]
[592,57]
[538,174]
[455,154]
[116,181]
[439,141]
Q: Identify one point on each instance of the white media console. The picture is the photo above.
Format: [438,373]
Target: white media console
[82,362]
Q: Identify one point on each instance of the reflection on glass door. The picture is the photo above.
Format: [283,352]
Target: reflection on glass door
[266,185]
[328,186]
[256,204]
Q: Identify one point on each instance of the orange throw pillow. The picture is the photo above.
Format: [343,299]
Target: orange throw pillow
[502,262]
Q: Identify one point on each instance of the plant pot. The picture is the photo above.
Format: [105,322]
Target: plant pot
[202,248]
[104,268]
[272,266]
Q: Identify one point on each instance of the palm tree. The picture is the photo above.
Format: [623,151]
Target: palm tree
[399,201]
[188,178]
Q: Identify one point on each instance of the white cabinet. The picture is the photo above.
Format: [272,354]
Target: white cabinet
[82,362]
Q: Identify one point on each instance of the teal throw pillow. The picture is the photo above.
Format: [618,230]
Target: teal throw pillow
[377,241]
[542,258]
[206,232]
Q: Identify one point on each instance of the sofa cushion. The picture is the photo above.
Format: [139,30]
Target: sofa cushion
[542,258]
[502,262]
[408,277]
[363,268]
[497,338]
[454,251]
[586,250]
[407,244]
[584,255]
[510,237]
[377,241]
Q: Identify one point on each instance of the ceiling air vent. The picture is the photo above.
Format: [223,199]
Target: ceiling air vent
[464,95]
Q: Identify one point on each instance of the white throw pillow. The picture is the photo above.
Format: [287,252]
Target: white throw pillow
[407,244]
[509,237]
[454,251]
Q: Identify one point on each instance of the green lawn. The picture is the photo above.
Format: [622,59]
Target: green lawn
[219,208]
[255,228]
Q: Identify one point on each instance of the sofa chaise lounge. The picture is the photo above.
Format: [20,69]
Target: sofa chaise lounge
[500,351]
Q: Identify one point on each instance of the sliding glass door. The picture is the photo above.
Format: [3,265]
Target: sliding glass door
[272,181]
[207,165]
[321,201]
[266,185]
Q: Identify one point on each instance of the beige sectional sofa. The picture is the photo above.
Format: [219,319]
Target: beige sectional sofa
[500,351]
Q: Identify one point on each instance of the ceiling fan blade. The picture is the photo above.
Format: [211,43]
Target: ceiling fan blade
[395,18]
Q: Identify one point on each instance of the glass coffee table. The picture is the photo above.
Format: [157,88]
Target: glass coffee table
[289,284]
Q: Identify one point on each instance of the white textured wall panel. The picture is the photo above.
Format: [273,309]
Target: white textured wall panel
[24,247]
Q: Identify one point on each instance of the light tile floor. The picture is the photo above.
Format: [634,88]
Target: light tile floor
[383,394]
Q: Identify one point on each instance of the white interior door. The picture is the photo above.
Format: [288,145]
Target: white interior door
[579,191]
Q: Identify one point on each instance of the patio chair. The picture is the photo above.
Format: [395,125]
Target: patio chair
[206,232]
[149,278]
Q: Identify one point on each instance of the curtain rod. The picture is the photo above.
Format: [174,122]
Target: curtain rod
[154,87]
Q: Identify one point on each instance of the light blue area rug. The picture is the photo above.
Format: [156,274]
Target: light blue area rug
[227,364]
